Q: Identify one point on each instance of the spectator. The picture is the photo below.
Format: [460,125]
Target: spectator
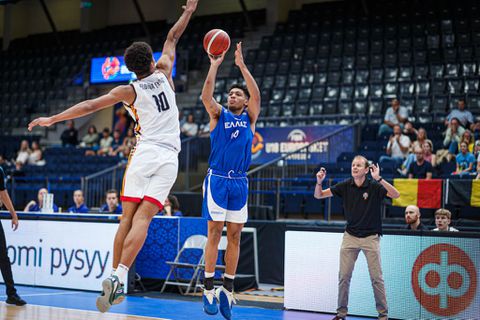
[395,115]
[33,206]
[23,153]
[130,140]
[442,220]
[190,128]
[421,137]
[105,142]
[465,160]
[412,218]
[79,201]
[204,130]
[420,169]
[36,157]
[476,130]
[410,131]
[117,143]
[90,140]
[428,153]
[4,163]
[476,150]
[453,135]
[122,120]
[111,205]
[171,207]
[397,147]
[467,136]
[69,136]
[464,117]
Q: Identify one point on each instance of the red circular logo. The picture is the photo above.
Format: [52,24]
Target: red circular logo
[444,279]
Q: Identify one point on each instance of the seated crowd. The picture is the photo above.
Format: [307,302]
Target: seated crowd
[112,204]
[412,152]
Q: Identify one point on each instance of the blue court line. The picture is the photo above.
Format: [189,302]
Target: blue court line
[155,308]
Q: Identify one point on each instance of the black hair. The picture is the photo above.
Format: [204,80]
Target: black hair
[174,202]
[241,87]
[111,191]
[138,58]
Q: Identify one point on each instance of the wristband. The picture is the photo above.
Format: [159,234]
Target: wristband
[379,180]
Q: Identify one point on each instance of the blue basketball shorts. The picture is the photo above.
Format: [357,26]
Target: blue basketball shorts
[225,197]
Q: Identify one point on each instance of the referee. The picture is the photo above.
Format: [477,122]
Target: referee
[362,202]
[12,296]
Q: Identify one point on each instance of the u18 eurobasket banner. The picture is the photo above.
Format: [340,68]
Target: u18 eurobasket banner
[425,277]
[74,255]
[270,143]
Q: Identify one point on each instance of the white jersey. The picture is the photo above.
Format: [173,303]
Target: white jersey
[155,112]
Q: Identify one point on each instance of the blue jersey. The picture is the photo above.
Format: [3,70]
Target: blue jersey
[231,143]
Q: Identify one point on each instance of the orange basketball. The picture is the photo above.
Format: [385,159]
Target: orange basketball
[216,42]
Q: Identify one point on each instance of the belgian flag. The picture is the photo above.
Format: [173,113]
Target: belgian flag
[420,192]
[463,193]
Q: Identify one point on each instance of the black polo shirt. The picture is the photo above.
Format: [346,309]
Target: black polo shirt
[362,206]
[421,227]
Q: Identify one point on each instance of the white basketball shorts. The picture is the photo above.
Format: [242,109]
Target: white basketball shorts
[150,174]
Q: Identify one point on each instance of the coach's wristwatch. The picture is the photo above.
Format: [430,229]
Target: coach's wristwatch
[379,180]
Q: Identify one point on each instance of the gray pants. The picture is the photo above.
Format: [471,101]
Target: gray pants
[351,247]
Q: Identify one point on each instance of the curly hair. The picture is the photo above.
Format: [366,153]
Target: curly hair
[138,58]
[241,87]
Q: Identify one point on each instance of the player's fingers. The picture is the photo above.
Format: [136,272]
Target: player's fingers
[32,124]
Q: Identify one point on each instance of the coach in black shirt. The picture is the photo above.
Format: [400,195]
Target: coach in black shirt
[6,268]
[362,201]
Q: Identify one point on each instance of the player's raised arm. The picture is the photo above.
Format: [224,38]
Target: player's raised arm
[213,108]
[254,101]
[165,63]
[118,94]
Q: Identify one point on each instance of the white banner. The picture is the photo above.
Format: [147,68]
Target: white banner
[74,255]
[425,277]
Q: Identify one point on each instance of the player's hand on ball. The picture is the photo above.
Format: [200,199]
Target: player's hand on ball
[239,56]
[216,60]
[321,175]
[191,5]
[42,122]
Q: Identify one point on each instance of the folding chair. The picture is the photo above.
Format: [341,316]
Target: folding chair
[222,246]
[195,242]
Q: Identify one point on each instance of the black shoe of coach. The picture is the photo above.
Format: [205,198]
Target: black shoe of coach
[16,300]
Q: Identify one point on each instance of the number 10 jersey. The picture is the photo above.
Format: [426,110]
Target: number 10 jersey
[155,112]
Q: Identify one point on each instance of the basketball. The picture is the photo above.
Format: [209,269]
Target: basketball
[216,42]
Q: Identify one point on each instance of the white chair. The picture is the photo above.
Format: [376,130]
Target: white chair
[222,246]
[195,242]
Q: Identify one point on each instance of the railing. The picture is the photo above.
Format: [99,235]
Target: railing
[95,185]
[270,178]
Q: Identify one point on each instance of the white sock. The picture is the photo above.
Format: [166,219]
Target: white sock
[229,276]
[209,274]
[121,272]
[113,271]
